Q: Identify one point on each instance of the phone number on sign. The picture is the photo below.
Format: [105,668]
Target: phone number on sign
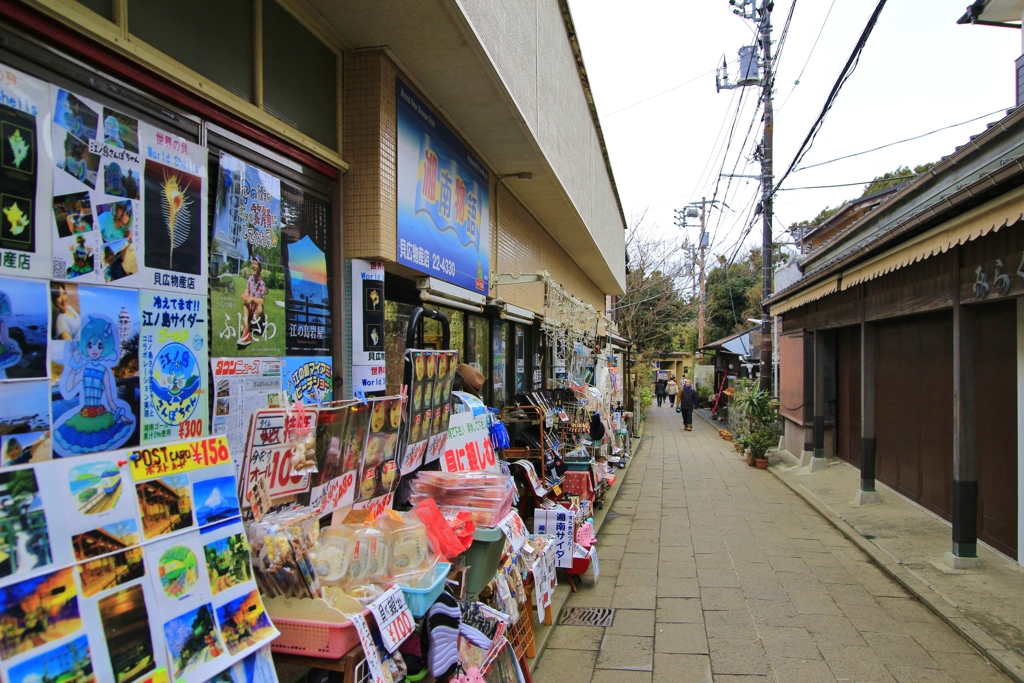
[423,258]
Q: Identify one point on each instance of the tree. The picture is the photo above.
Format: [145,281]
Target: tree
[653,308]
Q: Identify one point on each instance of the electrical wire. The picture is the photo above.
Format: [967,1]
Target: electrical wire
[809,55]
[713,154]
[782,40]
[863,182]
[899,142]
[663,92]
[844,75]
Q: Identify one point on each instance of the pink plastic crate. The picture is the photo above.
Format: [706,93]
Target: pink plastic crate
[316,638]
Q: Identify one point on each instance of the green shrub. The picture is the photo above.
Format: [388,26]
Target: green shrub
[760,441]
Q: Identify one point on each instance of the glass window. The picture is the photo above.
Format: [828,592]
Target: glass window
[478,347]
[100,7]
[520,369]
[396,323]
[498,380]
[300,76]
[214,39]
[432,337]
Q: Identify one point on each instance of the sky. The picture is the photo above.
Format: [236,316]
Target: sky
[919,71]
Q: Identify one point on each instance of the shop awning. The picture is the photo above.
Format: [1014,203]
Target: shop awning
[806,296]
[989,217]
[621,342]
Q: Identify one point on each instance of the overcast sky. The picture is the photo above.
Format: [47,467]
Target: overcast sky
[920,71]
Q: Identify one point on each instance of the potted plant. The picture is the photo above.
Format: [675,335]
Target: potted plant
[759,442]
[703,395]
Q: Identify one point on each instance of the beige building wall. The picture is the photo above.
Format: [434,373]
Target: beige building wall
[518,242]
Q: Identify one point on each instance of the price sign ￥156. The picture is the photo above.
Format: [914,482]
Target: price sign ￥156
[150,463]
[394,619]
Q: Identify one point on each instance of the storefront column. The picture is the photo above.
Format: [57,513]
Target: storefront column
[807,409]
[965,478]
[819,462]
[867,495]
[1020,430]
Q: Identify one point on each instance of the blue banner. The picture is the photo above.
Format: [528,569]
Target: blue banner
[442,199]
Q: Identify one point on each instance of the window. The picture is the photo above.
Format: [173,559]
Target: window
[498,380]
[432,334]
[100,7]
[214,39]
[478,348]
[300,82]
[520,367]
[396,323]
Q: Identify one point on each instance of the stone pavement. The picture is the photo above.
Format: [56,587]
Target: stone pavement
[717,571]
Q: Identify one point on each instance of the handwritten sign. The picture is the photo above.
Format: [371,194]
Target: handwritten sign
[268,453]
[394,619]
[369,648]
[259,499]
[335,494]
[376,505]
[468,447]
[514,529]
[187,456]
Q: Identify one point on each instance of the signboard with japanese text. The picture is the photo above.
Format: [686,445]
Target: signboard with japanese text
[26,170]
[268,451]
[394,619]
[560,524]
[468,447]
[173,355]
[308,379]
[367,308]
[188,456]
[242,386]
[442,199]
[514,530]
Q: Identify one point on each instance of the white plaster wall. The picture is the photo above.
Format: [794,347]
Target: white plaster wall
[527,42]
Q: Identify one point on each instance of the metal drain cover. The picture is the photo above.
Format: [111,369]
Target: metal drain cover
[587,616]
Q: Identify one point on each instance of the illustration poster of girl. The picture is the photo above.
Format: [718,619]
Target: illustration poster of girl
[102,421]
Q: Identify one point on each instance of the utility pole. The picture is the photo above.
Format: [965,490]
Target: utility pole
[767,185]
[692,211]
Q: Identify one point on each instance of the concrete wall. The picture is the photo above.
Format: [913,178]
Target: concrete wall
[527,42]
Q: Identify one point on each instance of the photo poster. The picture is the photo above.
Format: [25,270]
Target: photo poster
[247,297]
[442,199]
[428,403]
[305,232]
[367,309]
[269,453]
[308,379]
[26,175]
[175,213]
[175,376]
[337,465]
[379,472]
[241,386]
[106,594]
[97,192]
[94,368]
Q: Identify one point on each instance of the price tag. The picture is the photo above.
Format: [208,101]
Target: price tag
[563,416]
[393,618]
[259,499]
[335,494]
[369,648]
[557,489]
[514,529]
[158,461]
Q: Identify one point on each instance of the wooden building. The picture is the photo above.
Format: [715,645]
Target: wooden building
[899,344]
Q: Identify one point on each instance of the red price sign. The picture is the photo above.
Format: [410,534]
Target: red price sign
[150,463]
[393,618]
[335,494]
[268,453]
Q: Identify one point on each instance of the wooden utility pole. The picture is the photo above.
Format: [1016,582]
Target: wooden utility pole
[701,300]
[767,189]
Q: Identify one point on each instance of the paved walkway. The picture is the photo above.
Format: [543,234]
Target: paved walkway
[717,571]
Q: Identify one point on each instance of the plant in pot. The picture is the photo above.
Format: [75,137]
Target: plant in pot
[759,442]
[703,395]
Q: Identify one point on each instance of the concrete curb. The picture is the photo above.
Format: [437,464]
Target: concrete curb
[1009,662]
[541,632]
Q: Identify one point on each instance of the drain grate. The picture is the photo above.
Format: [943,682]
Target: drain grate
[587,616]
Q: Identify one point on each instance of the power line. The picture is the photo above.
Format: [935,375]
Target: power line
[863,182]
[844,75]
[899,142]
[809,55]
[714,154]
[663,92]
[782,40]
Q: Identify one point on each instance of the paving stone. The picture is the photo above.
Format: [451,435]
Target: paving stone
[871,619]
[631,653]
[780,641]
[636,576]
[855,663]
[906,609]
[796,670]
[566,666]
[620,676]
[833,630]
[936,636]
[715,599]
[814,603]
[669,587]
[576,638]
[679,569]
[670,668]
[682,639]
[915,674]
[738,657]
[734,625]
[635,597]
[679,611]
[632,622]
[969,667]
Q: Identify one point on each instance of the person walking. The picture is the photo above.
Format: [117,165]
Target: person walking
[672,389]
[659,390]
[687,402]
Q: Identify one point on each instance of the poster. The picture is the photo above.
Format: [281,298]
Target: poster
[442,199]
[175,212]
[247,294]
[94,368]
[367,307]
[308,379]
[241,386]
[305,231]
[173,355]
[271,438]
[123,589]
[428,407]
[97,192]
[26,170]
[25,423]
[468,446]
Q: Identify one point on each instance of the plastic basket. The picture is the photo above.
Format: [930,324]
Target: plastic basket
[316,638]
[419,600]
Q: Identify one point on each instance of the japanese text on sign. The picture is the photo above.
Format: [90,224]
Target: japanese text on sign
[393,618]
[468,447]
[150,463]
[269,450]
[514,529]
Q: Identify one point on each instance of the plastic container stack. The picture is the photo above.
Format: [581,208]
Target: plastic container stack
[486,496]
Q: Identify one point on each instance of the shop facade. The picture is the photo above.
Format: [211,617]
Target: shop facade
[900,346]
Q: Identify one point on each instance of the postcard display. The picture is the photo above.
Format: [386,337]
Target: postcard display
[122,553]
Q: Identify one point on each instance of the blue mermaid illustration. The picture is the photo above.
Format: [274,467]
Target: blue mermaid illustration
[176,384]
[103,422]
[10,352]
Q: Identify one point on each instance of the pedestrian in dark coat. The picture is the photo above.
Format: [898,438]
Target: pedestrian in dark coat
[659,390]
[687,402]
